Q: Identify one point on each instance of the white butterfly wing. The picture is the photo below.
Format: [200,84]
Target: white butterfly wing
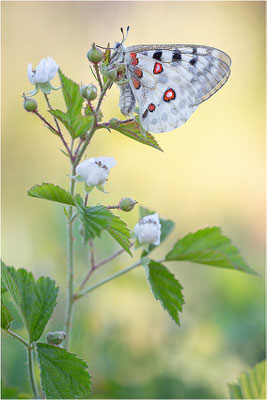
[170,81]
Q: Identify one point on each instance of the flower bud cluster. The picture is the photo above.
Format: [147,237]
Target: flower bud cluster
[55,338]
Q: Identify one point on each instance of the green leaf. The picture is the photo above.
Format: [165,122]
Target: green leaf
[64,118]
[72,95]
[132,130]
[120,232]
[95,219]
[63,374]
[167,226]
[98,218]
[49,191]
[35,300]
[251,384]
[3,288]
[6,317]
[77,125]
[209,246]
[165,287]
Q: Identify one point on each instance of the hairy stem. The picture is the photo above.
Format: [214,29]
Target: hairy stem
[98,76]
[15,336]
[46,122]
[70,283]
[31,373]
[59,130]
[110,278]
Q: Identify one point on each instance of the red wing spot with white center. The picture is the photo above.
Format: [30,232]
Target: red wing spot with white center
[169,95]
[151,107]
[132,55]
[158,68]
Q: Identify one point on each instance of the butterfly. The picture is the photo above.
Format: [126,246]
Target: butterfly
[168,81]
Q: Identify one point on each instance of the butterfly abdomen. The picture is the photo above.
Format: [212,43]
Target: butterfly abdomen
[127,100]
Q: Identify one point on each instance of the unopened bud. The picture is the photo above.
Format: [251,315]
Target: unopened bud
[113,123]
[55,338]
[29,104]
[94,54]
[89,92]
[116,73]
[127,204]
[112,75]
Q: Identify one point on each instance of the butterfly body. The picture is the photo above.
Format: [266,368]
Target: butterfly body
[169,81]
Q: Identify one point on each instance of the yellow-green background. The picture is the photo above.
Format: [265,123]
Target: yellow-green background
[211,173]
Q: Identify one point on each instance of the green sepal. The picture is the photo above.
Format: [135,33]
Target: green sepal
[101,188]
[45,87]
[88,188]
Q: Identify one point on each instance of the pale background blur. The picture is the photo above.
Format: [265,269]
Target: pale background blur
[211,173]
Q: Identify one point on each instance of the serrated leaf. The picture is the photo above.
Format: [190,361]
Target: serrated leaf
[120,232]
[132,130]
[3,288]
[251,384]
[98,218]
[77,125]
[49,191]
[64,118]
[165,287]
[72,95]
[63,374]
[95,219]
[167,226]
[73,120]
[35,300]
[209,246]
[6,316]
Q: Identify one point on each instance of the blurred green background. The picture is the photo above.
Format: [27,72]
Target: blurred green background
[211,173]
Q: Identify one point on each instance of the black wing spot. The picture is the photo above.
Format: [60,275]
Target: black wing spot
[145,113]
[193,61]
[194,50]
[157,55]
[176,56]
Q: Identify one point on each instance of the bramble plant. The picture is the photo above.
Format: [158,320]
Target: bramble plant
[64,374]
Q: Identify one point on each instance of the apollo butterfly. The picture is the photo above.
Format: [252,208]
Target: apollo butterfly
[168,81]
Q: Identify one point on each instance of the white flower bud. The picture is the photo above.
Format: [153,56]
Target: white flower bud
[95,171]
[44,72]
[148,229]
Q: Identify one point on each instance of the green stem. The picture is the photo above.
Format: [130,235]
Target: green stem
[110,278]
[14,335]
[93,127]
[31,373]
[70,283]
[29,348]
[98,76]
[59,130]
